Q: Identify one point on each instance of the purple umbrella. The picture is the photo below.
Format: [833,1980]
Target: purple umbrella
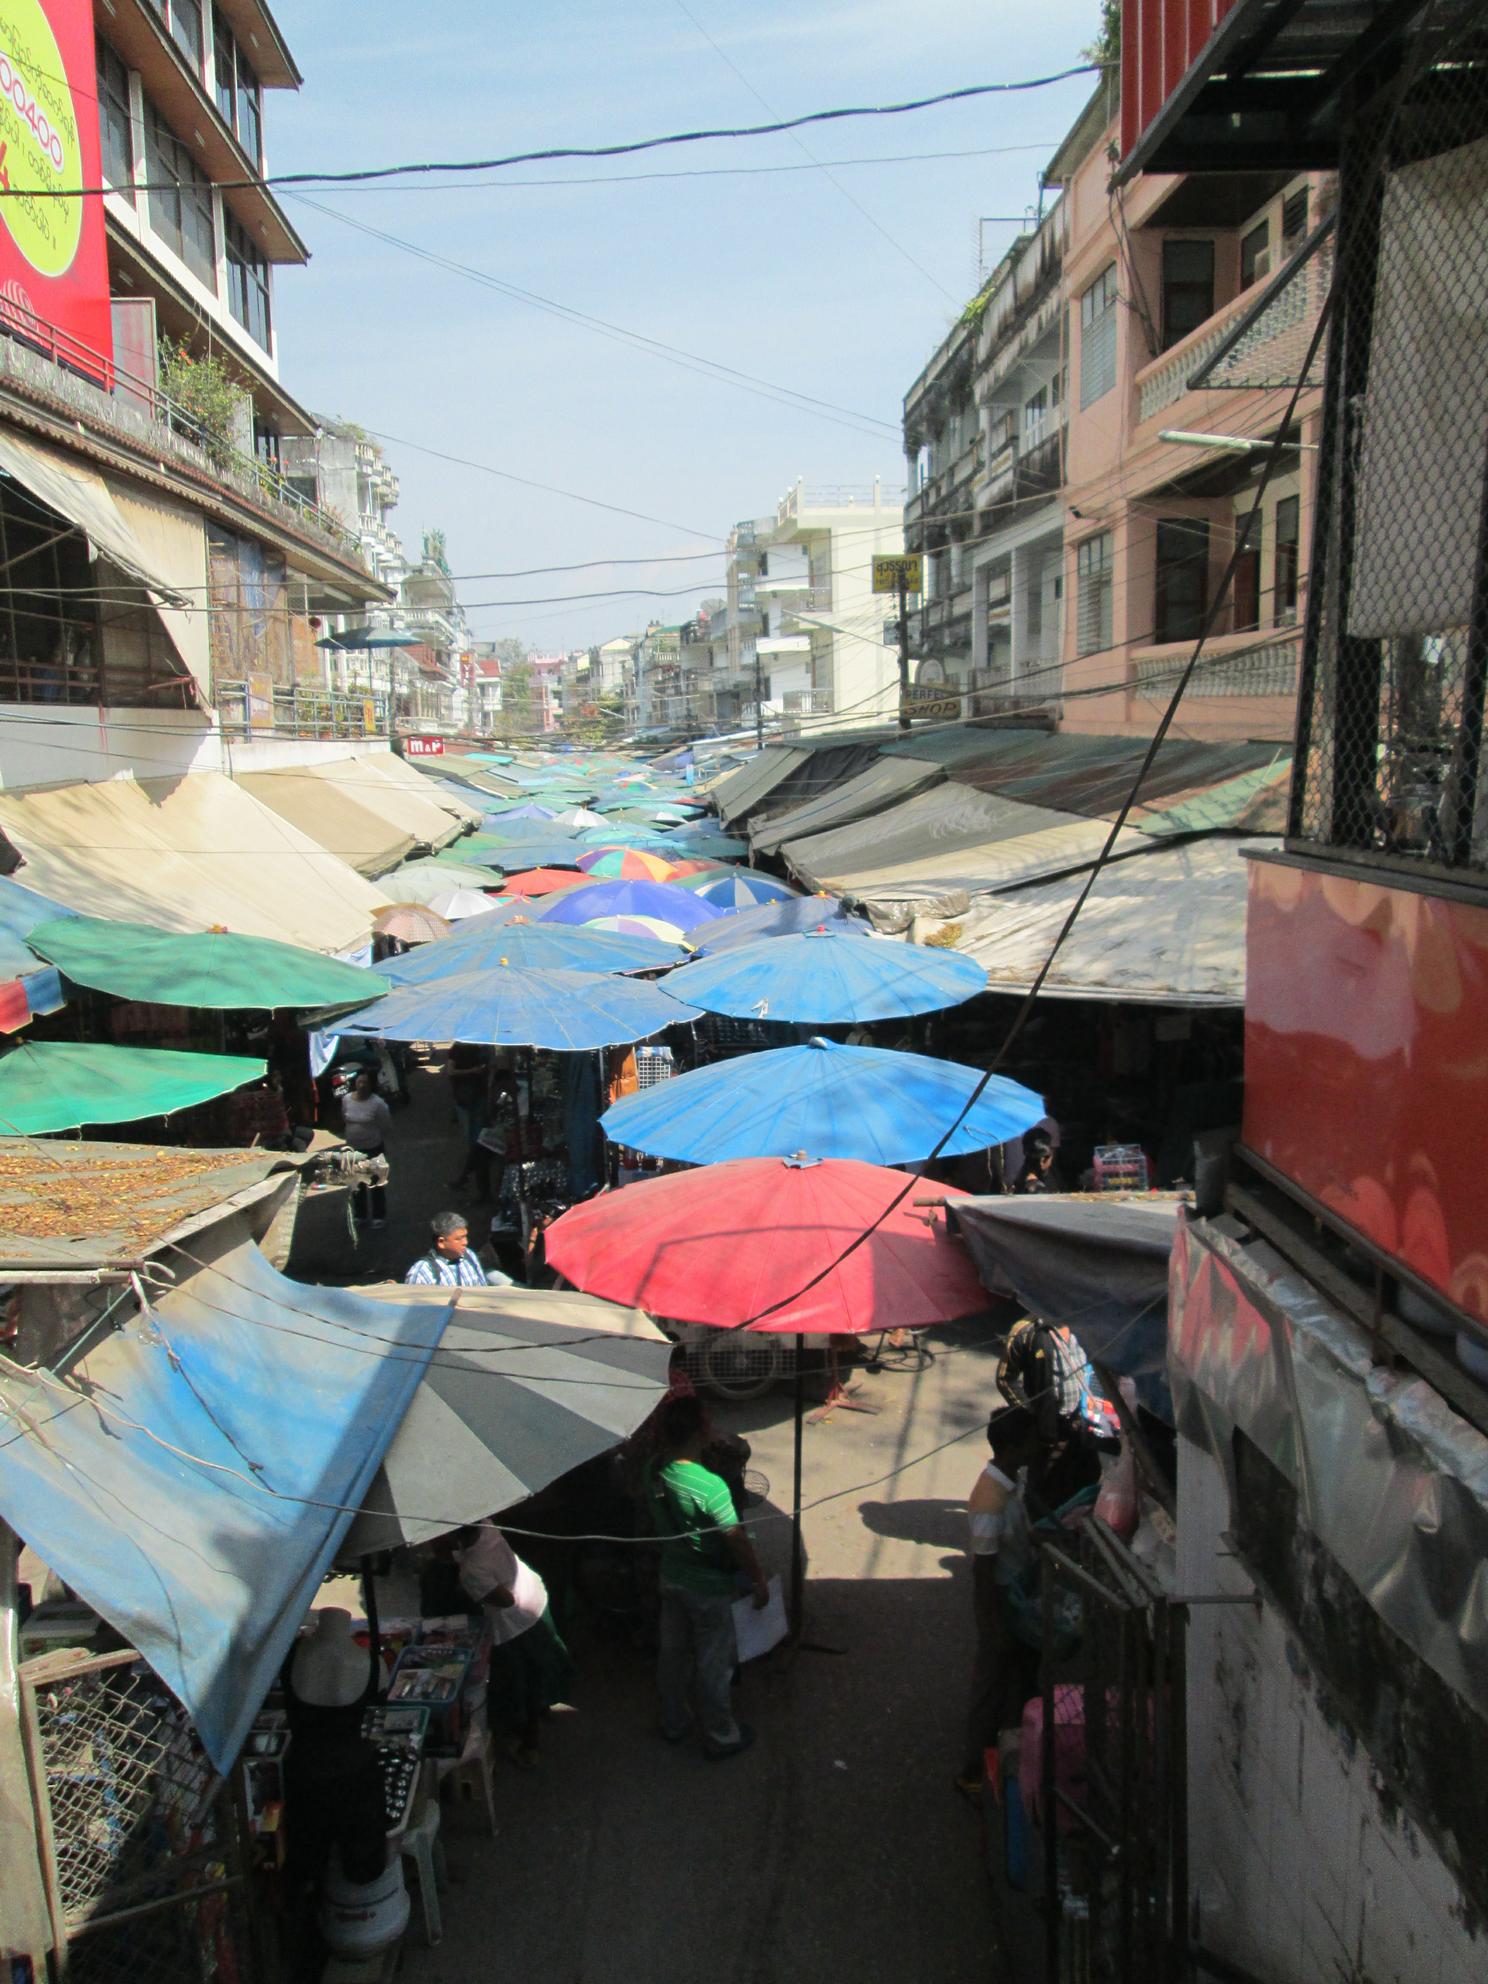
[658,899]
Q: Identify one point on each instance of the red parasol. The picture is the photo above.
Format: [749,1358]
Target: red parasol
[726,1243]
[539,882]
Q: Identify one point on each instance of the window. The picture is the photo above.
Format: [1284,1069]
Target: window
[1293,220]
[180,199]
[1288,517]
[237,89]
[1182,589]
[1098,338]
[115,126]
[186,29]
[1188,288]
[1245,590]
[1093,561]
[247,283]
[1035,412]
[1254,260]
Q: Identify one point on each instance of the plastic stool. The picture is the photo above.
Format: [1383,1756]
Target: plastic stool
[421,1844]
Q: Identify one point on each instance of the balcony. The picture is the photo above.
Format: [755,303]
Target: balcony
[783,644]
[838,496]
[244,712]
[1252,664]
[807,702]
[45,366]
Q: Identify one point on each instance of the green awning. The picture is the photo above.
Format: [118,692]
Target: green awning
[61,1084]
[213,968]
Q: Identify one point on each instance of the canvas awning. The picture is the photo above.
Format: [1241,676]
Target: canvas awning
[735,795]
[185,854]
[1165,926]
[173,542]
[371,821]
[84,498]
[883,783]
[426,785]
[191,1477]
[1099,1266]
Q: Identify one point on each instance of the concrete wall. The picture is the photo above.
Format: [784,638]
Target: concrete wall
[1304,1867]
[48,745]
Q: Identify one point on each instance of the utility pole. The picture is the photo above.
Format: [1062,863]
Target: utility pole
[759,702]
[903,650]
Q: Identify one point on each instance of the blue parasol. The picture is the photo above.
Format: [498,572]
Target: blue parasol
[820,978]
[524,854]
[659,899]
[775,919]
[572,1012]
[742,888]
[482,943]
[821,1100]
[707,844]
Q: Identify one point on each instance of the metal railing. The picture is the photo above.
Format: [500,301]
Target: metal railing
[300,711]
[40,360]
[1163,382]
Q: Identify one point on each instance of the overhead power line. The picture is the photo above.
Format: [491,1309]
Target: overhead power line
[361,175]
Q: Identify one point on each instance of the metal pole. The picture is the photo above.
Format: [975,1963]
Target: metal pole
[759,725]
[798,1561]
[903,653]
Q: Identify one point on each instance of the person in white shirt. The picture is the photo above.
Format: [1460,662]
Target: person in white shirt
[365,1121]
[530,1666]
[1005,1671]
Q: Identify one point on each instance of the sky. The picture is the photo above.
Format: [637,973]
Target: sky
[835,285]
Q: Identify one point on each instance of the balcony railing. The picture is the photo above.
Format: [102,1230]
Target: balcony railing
[1164,382]
[807,702]
[1258,664]
[45,363]
[244,712]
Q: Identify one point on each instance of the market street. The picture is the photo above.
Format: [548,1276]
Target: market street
[835,1849]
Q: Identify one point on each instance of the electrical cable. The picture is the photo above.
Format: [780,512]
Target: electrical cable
[362,175]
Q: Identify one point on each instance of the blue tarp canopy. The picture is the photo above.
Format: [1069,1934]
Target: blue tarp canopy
[191,1475]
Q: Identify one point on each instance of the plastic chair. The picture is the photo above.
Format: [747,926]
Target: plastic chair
[473,1767]
[421,1844]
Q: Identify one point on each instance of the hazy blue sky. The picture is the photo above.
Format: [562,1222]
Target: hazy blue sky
[777,274]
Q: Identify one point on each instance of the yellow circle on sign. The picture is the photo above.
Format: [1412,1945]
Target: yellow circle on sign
[40,152]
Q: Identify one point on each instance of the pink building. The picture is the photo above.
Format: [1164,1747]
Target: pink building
[1173,326]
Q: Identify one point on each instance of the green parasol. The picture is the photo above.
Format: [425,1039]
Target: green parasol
[50,1085]
[197,968]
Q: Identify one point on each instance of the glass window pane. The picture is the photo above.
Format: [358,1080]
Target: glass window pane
[1182,590]
[186,27]
[250,115]
[1188,288]
[117,133]
[223,49]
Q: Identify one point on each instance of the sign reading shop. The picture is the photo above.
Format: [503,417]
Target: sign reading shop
[53,264]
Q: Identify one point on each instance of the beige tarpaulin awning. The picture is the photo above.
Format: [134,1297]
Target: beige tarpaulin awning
[185,854]
[174,542]
[883,784]
[350,808]
[1163,927]
[437,790]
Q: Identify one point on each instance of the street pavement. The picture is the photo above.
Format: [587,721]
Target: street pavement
[835,1849]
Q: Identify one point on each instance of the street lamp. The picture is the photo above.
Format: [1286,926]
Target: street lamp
[1234,444]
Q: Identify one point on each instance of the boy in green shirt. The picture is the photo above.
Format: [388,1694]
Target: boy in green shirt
[704,1550]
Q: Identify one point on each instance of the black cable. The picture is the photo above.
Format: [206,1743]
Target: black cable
[364,174]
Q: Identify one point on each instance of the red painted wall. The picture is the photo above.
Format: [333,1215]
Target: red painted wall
[1366,1063]
[53,264]
[1159,42]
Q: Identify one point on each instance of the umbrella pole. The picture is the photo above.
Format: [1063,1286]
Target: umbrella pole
[798,1562]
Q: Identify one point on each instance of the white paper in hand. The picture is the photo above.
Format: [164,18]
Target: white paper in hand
[757,1630]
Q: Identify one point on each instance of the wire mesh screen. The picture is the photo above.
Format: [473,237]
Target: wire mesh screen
[1271,343]
[1397,636]
[138,1830]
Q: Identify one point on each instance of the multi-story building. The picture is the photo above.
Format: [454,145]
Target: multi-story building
[483,694]
[1162,284]
[806,630]
[547,690]
[167,563]
[345,471]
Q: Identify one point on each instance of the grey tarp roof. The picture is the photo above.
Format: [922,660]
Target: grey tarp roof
[734,795]
[1098,1265]
[882,783]
[1165,926]
[826,767]
[925,849]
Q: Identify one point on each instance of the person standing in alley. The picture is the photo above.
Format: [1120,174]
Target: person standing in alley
[705,1555]
[365,1120]
[530,1667]
[1004,1670]
[449,1262]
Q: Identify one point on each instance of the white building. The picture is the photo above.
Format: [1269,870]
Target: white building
[805,628]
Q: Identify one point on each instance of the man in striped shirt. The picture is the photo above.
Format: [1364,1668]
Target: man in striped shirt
[449,1263]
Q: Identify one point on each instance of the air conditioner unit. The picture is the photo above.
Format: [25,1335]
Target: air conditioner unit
[1262,265]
